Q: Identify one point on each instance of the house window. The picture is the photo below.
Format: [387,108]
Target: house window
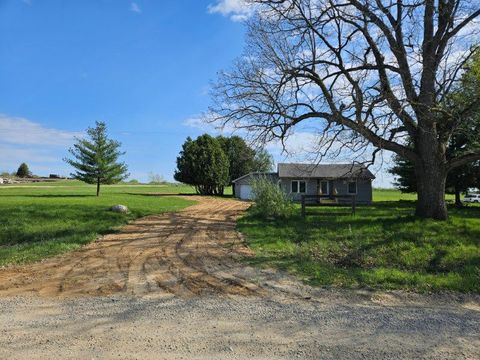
[352,187]
[299,186]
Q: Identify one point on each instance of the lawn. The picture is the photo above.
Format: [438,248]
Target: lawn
[383,246]
[46,219]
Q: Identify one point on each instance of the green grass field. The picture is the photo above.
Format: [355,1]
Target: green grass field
[46,219]
[383,246]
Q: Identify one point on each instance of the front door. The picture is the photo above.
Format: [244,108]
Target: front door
[324,187]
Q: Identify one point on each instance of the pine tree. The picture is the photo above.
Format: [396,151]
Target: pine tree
[203,164]
[240,156]
[96,159]
[23,171]
[244,159]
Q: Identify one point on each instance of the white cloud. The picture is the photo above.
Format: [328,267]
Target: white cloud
[197,122]
[27,2]
[42,148]
[205,123]
[15,130]
[135,8]
[14,156]
[237,10]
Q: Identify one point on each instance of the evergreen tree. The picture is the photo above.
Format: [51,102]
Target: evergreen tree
[240,156]
[203,164]
[458,180]
[96,158]
[243,159]
[23,171]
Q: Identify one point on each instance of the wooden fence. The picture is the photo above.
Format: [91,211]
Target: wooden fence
[328,200]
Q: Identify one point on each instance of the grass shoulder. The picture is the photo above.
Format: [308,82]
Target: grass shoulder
[383,247]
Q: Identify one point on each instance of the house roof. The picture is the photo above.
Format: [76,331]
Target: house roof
[269,175]
[331,171]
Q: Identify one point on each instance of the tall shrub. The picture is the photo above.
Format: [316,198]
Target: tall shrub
[270,200]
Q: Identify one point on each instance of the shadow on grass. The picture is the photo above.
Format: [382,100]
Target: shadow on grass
[177,194]
[49,196]
[160,194]
[38,223]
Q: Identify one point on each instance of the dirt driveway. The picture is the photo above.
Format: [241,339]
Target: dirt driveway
[172,287]
[185,253]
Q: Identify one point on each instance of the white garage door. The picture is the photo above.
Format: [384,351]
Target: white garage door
[246,192]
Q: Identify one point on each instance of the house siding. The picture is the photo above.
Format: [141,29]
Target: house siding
[363,196]
[364,186]
[286,184]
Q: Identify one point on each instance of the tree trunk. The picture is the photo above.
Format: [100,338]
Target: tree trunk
[458,200]
[98,186]
[431,194]
[430,172]
[431,175]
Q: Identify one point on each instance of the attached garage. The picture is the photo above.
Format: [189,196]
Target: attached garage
[245,192]
[242,187]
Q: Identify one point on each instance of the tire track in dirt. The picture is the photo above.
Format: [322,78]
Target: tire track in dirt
[187,253]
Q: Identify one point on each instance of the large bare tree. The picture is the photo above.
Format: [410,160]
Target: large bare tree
[369,73]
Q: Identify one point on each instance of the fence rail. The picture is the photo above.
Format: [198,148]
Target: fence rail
[326,200]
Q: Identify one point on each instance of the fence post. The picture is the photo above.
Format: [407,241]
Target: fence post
[303,205]
[354,204]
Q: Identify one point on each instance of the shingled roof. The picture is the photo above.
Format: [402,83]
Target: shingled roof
[271,176]
[329,171]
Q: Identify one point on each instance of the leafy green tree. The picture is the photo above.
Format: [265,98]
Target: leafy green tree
[96,158]
[23,171]
[203,164]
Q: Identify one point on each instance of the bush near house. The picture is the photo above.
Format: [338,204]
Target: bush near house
[270,200]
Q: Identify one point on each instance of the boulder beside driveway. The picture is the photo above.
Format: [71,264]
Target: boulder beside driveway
[119,209]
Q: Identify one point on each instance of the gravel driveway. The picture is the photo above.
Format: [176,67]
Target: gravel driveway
[171,287]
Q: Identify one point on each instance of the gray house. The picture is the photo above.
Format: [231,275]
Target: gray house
[314,179]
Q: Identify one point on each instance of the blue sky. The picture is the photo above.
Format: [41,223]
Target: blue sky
[143,67]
